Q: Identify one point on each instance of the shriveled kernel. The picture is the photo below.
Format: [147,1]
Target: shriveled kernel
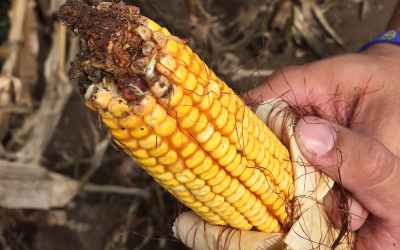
[146,106]
[144,32]
[119,107]
[166,65]
[160,38]
[148,48]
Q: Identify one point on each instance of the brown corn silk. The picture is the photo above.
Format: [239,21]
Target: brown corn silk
[185,127]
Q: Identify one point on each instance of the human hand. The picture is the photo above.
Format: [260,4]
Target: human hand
[358,91]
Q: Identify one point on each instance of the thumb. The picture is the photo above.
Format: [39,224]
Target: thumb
[359,163]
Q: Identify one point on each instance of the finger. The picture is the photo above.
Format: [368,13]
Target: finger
[360,163]
[324,88]
[198,234]
[353,212]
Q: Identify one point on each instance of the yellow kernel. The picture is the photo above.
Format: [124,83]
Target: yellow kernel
[221,150]
[195,184]
[171,183]
[188,199]
[182,107]
[150,141]
[105,114]
[120,144]
[218,178]
[185,193]
[179,188]
[180,74]
[228,157]
[170,48]
[190,119]
[119,107]
[215,109]
[140,153]
[233,186]
[188,149]
[219,188]
[224,99]
[203,166]
[196,94]
[228,211]
[236,195]
[141,131]
[161,149]
[247,173]
[130,121]
[188,50]
[194,66]
[185,176]
[146,106]
[148,162]
[257,208]
[221,120]
[225,206]
[210,173]
[247,205]
[156,116]
[158,169]
[203,77]
[120,134]
[166,127]
[91,106]
[229,126]
[183,58]
[195,159]
[242,200]
[199,124]
[132,143]
[212,143]
[177,139]
[169,158]
[153,26]
[190,83]
[207,197]
[111,123]
[177,166]
[201,191]
[215,202]
[205,134]
[261,152]
[165,31]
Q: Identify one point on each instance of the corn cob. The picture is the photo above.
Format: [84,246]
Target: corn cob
[167,110]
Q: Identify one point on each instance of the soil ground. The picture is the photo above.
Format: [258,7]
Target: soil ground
[95,221]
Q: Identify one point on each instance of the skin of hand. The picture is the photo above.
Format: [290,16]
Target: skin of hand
[362,93]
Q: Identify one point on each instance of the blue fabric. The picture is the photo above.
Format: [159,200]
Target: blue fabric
[391,36]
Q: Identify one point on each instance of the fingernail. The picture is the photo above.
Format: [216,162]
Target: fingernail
[317,136]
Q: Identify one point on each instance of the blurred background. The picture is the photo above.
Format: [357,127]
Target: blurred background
[62,184]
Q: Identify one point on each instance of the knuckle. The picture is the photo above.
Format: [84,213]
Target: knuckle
[377,163]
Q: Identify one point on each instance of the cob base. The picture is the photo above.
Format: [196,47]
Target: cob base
[167,110]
